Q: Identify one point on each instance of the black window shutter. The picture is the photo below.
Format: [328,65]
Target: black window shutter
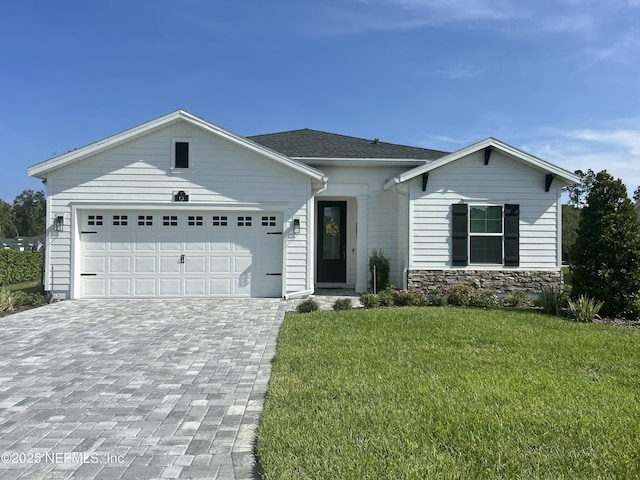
[182,155]
[512,235]
[459,235]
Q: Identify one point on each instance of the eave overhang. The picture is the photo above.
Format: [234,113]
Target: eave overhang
[41,169]
[560,174]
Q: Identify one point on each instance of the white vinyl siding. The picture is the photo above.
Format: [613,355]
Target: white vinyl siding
[220,175]
[468,180]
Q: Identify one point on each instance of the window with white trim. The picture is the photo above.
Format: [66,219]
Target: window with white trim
[180,153]
[485,234]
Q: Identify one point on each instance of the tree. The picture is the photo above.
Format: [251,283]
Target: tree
[570,221]
[636,196]
[7,229]
[579,193]
[607,251]
[28,213]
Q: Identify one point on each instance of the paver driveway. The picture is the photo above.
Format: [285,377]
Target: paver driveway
[135,389]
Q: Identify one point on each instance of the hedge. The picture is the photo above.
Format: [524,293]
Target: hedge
[17,267]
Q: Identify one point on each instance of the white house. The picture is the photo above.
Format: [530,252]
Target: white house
[179,207]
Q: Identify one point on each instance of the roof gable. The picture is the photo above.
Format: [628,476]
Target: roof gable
[558,173]
[41,170]
[307,143]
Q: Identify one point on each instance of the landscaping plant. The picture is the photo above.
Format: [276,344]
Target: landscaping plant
[342,304]
[606,256]
[379,264]
[584,309]
[307,306]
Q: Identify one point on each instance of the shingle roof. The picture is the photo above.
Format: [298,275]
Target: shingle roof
[308,143]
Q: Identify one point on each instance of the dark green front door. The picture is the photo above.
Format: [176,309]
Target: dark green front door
[332,242]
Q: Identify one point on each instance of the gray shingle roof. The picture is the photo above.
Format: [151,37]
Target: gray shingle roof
[308,143]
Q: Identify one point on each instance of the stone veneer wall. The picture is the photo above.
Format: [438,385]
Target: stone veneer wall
[501,281]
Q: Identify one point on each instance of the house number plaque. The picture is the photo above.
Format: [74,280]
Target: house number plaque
[181,197]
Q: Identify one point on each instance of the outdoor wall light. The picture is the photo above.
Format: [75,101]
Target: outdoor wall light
[296,225]
[59,223]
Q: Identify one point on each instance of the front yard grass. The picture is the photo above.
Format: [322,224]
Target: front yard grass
[451,393]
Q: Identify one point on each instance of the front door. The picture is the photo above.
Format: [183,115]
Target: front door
[332,242]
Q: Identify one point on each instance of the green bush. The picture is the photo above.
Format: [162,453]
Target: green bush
[17,267]
[307,306]
[370,300]
[342,304]
[387,296]
[460,295]
[33,299]
[484,298]
[606,256]
[584,309]
[550,300]
[404,298]
[518,298]
[381,264]
[436,297]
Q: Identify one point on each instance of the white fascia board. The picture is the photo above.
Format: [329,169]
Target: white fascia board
[561,174]
[360,162]
[41,169]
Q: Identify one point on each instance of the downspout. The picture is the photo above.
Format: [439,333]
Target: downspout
[396,188]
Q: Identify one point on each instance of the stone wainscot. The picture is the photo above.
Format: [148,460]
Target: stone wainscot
[501,281]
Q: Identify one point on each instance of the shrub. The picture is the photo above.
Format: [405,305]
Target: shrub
[381,279]
[436,297]
[584,309]
[404,298]
[606,256]
[10,299]
[460,295]
[33,299]
[369,300]
[17,267]
[387,296]
[342,304]
[550,300]
[516,299]
[484,298]
[307,306]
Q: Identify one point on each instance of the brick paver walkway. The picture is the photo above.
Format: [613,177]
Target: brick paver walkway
[135,389]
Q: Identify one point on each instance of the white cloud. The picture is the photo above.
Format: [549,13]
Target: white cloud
[616,150]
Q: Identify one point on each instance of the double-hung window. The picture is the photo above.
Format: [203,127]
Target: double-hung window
[485,235]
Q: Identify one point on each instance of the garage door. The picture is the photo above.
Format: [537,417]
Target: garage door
[187,254]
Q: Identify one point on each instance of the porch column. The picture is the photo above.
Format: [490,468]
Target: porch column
[362,248]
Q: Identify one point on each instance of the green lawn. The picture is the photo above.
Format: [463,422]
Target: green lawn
[451,393]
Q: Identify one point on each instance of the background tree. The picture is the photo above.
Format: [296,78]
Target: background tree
[28,213]
[578,193]
[7,229]
[607,251]
[636,196]
[570,221]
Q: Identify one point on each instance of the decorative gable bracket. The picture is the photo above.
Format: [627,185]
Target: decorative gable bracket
[547,181]
[425,180]
[487,154]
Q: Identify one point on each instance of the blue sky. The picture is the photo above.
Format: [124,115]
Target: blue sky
[557,78]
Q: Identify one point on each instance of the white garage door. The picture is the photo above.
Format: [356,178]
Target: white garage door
[186,254]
